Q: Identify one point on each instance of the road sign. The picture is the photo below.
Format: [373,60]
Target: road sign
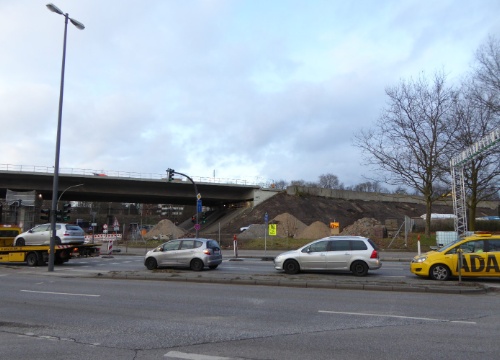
[266,217]
[198,196]
[199,206]
[90,228]
[116,228]
[105,226]
[197,226]
[272,229]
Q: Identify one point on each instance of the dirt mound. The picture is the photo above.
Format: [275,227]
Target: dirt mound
[164,230]
[255,231]
[288,225]
[316,230]
[367,227]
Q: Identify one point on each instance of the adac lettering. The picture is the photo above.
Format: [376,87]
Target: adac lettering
[476,264]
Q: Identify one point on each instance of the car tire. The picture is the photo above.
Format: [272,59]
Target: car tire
[58,241]
[439,272]
[197,265]
[32,259]
[359,268]
[291,267]
[20,242]
[151,263]
[213,267]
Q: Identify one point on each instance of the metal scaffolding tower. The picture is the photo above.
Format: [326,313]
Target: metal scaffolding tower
[457,177]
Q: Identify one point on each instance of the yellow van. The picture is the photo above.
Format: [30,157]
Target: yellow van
[480,258]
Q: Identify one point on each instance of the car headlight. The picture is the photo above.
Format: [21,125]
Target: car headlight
[419,259]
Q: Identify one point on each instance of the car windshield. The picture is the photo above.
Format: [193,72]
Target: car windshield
[447,247]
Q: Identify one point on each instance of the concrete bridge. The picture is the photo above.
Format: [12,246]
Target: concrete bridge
[100,187]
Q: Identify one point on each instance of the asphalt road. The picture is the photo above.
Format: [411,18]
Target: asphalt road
[55,316]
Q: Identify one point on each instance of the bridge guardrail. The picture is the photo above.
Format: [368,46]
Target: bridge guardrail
[127,174]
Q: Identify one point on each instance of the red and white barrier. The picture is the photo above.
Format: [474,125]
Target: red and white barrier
[103,237]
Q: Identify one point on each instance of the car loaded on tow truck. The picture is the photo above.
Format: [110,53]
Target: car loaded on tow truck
[38,255]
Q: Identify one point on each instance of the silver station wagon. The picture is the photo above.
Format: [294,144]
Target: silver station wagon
[192,253]
[351,253]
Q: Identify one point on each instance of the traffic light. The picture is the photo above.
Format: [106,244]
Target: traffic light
[62,215]
[45,214]
[170,174]
[66,210]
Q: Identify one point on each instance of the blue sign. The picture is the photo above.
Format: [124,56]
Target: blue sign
[198,204]
[266,217]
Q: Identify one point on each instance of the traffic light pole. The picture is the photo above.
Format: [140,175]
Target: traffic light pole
[171,173]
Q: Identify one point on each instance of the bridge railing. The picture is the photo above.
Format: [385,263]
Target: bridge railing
[128,174]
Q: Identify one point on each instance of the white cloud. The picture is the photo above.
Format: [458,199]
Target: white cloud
[249,89]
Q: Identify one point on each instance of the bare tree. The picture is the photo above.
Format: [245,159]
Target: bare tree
[408,143]
[486,74]
[370,186]
[330,181]
[280,184]
[475,121]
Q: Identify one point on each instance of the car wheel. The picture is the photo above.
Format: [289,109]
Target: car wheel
[32,259]
[57,241]
[151,263]
[291,267]
[359,268]
[213,267]
[20,242]
[197,265]
[439,272]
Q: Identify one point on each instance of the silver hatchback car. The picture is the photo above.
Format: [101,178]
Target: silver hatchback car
[352,253]
[40,235]
[193,253]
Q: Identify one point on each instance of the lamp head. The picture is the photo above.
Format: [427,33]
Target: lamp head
[78,24]
[55,9]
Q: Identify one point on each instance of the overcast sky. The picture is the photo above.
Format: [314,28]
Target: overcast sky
[241,89]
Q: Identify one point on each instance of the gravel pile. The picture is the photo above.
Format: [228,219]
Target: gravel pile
[164,230]
[316,230]
[287,226]
[367,227]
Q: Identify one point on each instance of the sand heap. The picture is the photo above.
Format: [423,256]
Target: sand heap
[287,226]
[367,227]
[164,230]
[316,230]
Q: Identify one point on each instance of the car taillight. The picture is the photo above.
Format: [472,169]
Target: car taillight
[374,255]
[207,252]
[66,234]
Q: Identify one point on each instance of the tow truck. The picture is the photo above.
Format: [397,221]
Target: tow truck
[38,255]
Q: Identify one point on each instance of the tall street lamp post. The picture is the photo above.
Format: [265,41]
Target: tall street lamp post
[55,187]
[60,196]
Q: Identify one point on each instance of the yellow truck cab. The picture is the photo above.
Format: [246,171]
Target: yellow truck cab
[8,233]
[480,258]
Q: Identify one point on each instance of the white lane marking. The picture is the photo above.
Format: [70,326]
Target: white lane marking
[58,293]
[181,355]
[398,317]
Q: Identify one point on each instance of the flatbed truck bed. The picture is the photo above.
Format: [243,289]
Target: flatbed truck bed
[38,255]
